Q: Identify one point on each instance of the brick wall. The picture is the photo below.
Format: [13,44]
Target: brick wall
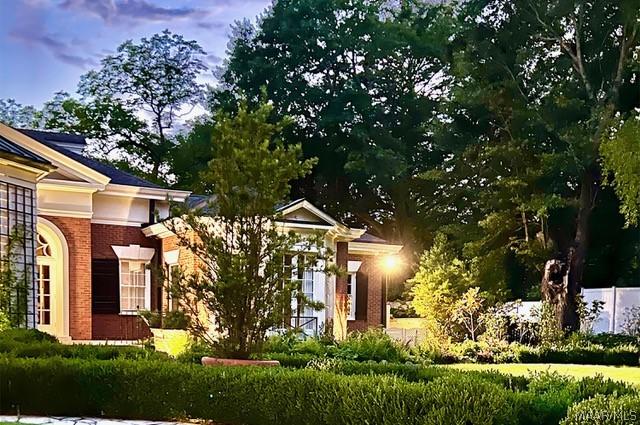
[104,236]
[77,232]
[117,327]
[371,269]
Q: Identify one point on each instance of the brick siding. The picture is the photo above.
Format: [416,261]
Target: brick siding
[371,268]
[77,232]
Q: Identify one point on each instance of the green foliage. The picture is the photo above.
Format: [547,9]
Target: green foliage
[26,336]
[440,280]
[588,314]
[550,332]
[631,324]
[361,83]
[15,281]
[173,319]
[242,248]
[33,344]
[373,345]
[605,410]
[621,158]
[336,392]
[248,395]
[468,312]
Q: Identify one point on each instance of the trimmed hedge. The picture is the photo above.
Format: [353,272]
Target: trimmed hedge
[603,410]
[35,350]
[264,396]
[155,390]
[624,355]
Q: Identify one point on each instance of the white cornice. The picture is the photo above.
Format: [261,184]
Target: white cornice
[64,213]
[373,248]
[69,186]
[145,192]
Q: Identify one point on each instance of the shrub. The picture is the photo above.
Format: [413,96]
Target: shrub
[249,396]
[26,335]
[626,355]
[610,340]
[605,410]
[372,344]
[195,351]
[100,352]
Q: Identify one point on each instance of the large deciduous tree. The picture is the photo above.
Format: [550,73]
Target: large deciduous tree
[537,87]
[360,79]
[237,239]
[152,81]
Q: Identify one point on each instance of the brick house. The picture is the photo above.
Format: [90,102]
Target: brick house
[95,233]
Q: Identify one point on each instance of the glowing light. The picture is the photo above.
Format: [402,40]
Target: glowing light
[390,263]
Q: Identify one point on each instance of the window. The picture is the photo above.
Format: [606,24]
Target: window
[305,278]
[135,277]
[133,286]
[17,229]
[44,294]
[351,295]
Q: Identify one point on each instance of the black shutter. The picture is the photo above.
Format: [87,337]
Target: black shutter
[105,286]
[362,286]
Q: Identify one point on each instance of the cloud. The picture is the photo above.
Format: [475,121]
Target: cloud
[116,11]
[207,25]
[61,50]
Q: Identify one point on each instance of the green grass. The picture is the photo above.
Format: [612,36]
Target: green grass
[627,374]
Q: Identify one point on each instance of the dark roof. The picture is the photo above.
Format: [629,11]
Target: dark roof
[55,137]
[116,175]
[17,151]
[288,204]
[369,238]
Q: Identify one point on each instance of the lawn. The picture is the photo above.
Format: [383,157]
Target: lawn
[618,373]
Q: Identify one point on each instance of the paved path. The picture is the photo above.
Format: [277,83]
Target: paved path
[59,420]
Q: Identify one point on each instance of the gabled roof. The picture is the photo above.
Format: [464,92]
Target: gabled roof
[19,153]
[116,175]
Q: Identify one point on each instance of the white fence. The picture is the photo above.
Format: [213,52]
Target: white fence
[616,303]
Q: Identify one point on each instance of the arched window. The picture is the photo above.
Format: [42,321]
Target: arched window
[43,248]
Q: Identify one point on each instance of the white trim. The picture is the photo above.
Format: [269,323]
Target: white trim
[39,172]
[353,266]
[145,192]
[59,245]
[69,186]
[158,230]
[373,248]
[147,286]
[352,307]
[171,257]
[133,252]
[18,182]
[64,213]
[117,222]
[295,225]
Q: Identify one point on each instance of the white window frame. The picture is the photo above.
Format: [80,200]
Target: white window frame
[171,259]
[135,254]
[352,269]
[351,284]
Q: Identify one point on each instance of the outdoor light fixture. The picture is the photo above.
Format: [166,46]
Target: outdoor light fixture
[390,263]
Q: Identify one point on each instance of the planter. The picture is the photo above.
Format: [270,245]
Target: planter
[213,361]
[170,341]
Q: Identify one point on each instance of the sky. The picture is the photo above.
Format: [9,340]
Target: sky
[46,45]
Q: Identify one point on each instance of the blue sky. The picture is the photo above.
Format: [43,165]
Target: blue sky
[46,45]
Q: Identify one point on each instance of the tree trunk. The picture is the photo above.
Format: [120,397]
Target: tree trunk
[562,279]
